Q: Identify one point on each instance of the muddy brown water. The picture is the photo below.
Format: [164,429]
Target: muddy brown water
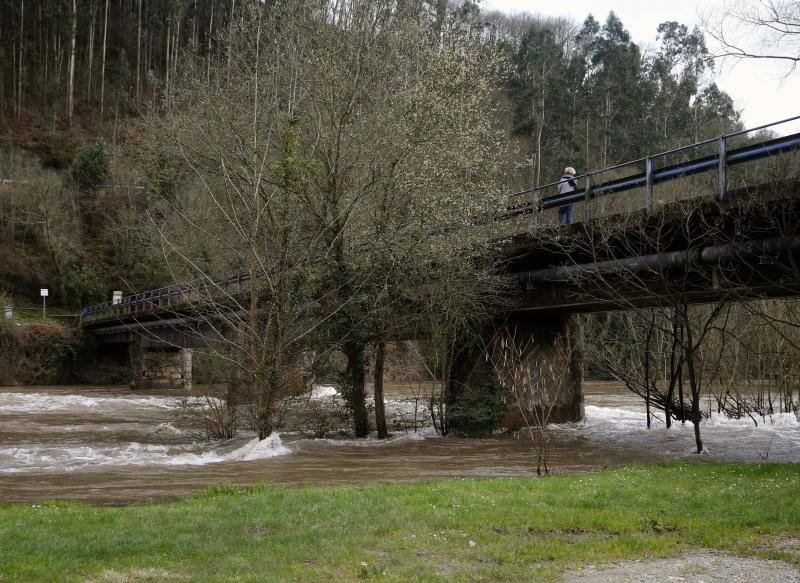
[110,445]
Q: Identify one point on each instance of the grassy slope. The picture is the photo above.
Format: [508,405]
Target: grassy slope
[522,528]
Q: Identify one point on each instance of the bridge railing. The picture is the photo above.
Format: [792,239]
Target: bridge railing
[726,151]
[718,155]
[172,297]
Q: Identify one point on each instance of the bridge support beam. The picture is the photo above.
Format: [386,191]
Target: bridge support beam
[550,348]
[159,367]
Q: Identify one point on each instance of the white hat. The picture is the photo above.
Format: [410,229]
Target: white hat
[569,170]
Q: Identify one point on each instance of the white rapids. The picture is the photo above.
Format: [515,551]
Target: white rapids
[70,458]
[38,403]
[775,437]
[69,432]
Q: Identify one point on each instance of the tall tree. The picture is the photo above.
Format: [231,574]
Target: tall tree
[71,70]
[103,63]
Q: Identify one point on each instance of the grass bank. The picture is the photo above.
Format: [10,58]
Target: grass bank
[507,529]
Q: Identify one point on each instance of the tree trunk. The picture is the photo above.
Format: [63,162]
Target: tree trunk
[175,47]
[535,155]
[586,145]
[695,389]
[230,42]
[210,30]
[21,52]
[355,392]
[139,52]
[695,404]
[674,371]
[648,340]
[71,73]
[167,55]
[380,406]
[90,52]
[540,132]
[103,63]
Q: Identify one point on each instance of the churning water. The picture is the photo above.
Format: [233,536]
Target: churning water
[109,445]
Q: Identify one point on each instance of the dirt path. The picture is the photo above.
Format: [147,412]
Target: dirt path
[697,567]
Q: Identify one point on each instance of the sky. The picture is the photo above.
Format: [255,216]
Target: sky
[760,89]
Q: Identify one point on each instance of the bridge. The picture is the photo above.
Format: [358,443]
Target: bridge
[695,224]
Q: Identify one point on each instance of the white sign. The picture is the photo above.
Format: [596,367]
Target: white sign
[116,298]
[9,311]
[44,292]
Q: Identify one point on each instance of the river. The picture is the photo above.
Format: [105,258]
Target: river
[109,445]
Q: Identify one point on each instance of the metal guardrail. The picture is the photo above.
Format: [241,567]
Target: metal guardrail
[169,297]
[182,294]
[721,161]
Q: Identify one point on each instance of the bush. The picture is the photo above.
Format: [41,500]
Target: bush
[55,150]
[35,353]
[478,409]
[90,167]
[84,286]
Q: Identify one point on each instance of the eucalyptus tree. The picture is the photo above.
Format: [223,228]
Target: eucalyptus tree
[537,87]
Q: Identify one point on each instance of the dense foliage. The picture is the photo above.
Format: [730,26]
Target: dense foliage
[591,97]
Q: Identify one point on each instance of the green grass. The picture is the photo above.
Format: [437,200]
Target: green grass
[521,529]
[34,315]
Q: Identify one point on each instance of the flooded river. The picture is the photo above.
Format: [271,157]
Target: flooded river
[110,445]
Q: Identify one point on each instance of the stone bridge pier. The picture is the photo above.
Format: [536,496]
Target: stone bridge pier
[547,352]
[159,366]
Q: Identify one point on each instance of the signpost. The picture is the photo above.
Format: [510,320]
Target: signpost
[44,292]
[9,311]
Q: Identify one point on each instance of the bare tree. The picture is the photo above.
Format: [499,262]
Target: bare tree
[238,146]
[536,373]
[760,29]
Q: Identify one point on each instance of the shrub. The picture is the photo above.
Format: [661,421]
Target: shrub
[85,286]
[90,167]
[48,350]
[55,150]
[478,409]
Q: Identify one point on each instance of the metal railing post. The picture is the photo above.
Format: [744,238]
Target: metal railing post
[587,198]
[648,185]
[723,169]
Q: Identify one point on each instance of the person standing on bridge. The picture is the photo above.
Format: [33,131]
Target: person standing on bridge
[568,184]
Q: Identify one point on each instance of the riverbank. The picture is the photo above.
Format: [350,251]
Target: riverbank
[37,351]
[507,529]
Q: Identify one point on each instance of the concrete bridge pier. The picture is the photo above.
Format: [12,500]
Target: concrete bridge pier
[550,348]
[159,366]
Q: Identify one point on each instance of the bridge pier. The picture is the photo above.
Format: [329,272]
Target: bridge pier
[551,348]
[160,367]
